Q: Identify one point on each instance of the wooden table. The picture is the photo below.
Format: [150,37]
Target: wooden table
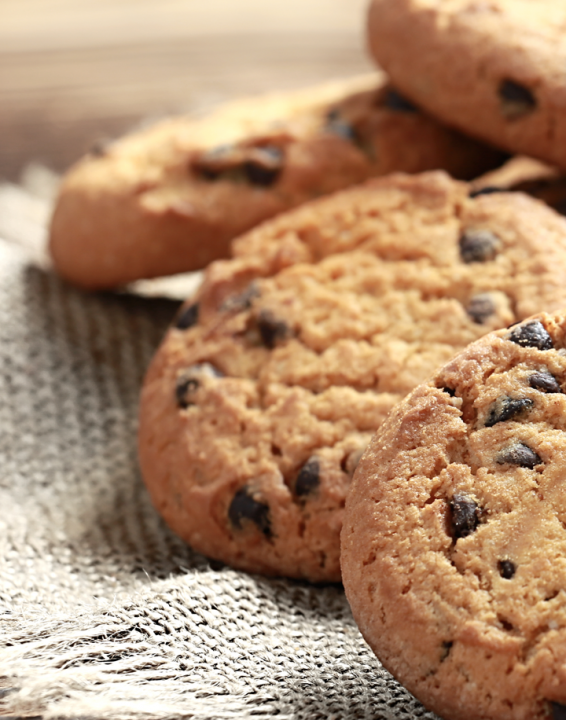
[76,71]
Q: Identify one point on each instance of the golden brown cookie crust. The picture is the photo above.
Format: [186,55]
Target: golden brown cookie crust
[275,375]
[492,68]
[454,539]
[171,198]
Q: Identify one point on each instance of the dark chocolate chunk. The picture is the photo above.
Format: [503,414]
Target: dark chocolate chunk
[480,308]
[506,408]
[506,569]
[519,454]
[271,329]
[560,206]
[187,317]
[258,165]
[184,388]
[488,190]
[245,507]
[465,515]
[446,647]
[395,101]
[505,624]
[478,246]
[308,478]
[545,382]
[336,124]
[241,301]
[188,382]
[449,391]
[516,99]
[212,163]
[265,166]
[531,334]
[558,711]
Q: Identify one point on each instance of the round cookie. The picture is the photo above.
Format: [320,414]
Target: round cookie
[492,68]
[454,539]
[275,375]
[170,198]
[524,174]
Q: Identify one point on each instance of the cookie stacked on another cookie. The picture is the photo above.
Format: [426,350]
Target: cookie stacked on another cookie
[273,378]
[492,68]
[454,540]
[524,174]
[170,198]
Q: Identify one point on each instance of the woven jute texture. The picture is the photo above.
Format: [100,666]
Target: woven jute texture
[104,613]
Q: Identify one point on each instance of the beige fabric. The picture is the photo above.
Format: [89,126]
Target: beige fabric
[103,612]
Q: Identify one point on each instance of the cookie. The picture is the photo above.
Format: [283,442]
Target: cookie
[171,198]
[492,68]
[454,540]
[273,378]
[527,175]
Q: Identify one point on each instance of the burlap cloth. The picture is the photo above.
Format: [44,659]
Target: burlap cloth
[104,613]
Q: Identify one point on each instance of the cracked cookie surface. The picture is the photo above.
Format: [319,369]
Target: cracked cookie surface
[492,68]
[170,198]
[454,539]
[275,375]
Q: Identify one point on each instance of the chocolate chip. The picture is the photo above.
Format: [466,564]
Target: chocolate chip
[465,515]
[505,624]
[336,124]
[532,334]
[519,454]
[183,389]
[506,569]
[516,99]
[271,329]
[258,165]
[478,245]
[308,478]
[188,382]
[265,167]
[558,711]
[480,308]
[449,391]
[395,101]
[241,301]
[506,408]
[213,163]
[446,647]
[488,190]
[545,382]
[245,507]
[187,317]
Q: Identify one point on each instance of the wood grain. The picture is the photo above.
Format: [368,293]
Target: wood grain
[74,71]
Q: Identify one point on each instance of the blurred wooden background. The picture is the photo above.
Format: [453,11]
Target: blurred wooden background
[76,71]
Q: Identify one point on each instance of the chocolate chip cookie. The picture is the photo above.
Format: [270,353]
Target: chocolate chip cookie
[273,378]
[171,198]
[454,539]
[524,174]
[492,68]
